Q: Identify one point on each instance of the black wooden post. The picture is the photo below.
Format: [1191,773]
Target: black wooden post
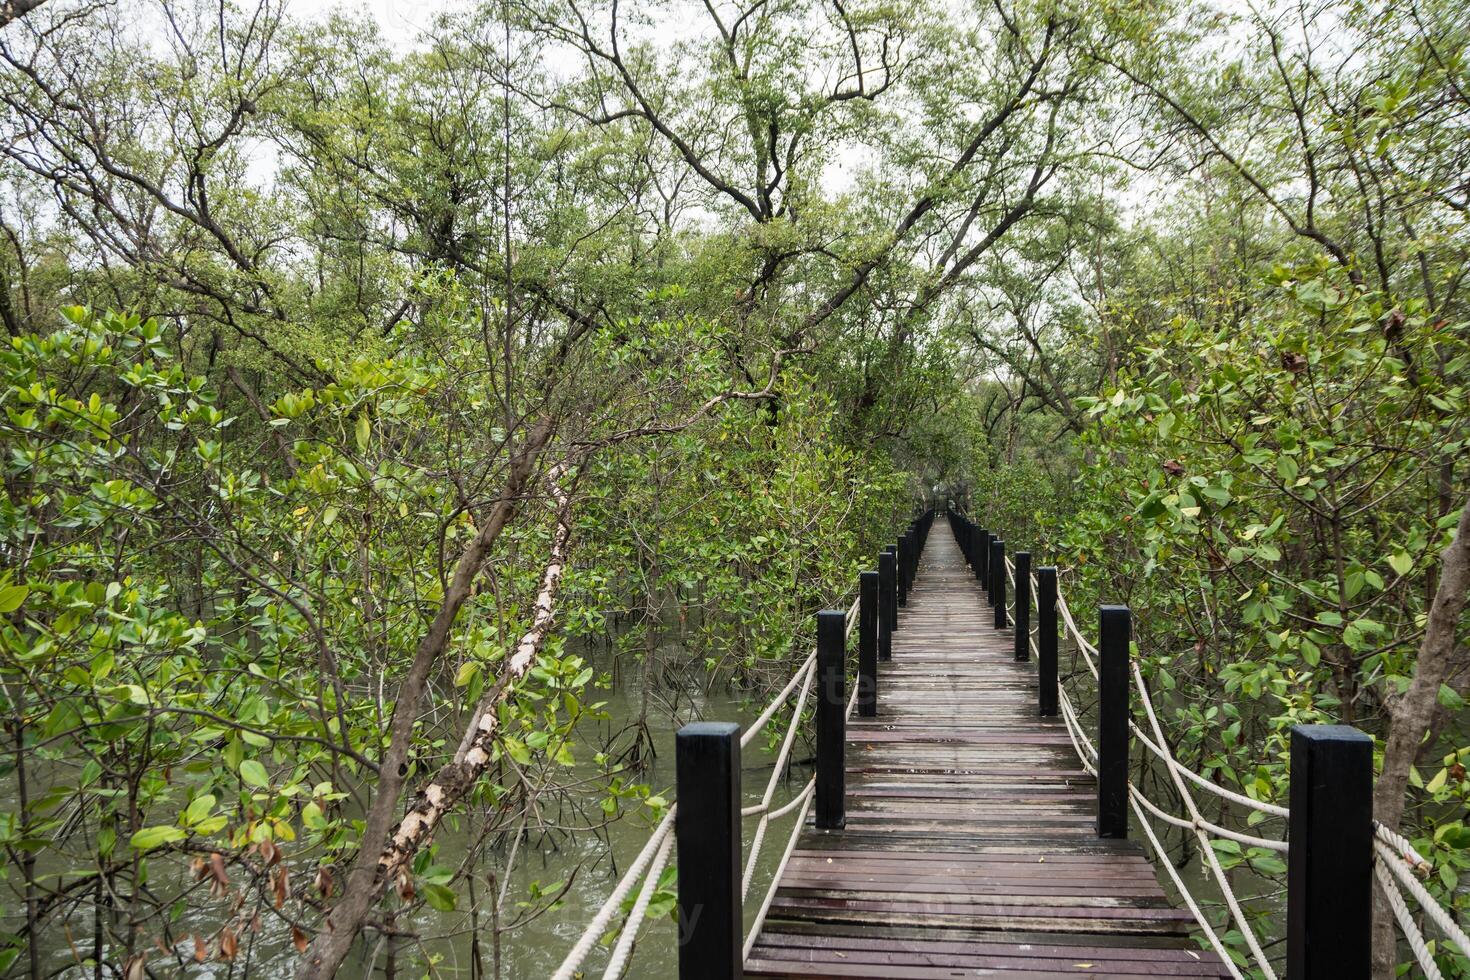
[982,567]
[707,829]
[998,581]
[1023,605]
[1046,639]
[868,644]
[916,540]
[1114,630]
[888,604]
[901,568]
[1329,878]
[831,719]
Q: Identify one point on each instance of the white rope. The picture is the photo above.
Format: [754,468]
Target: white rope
[619,960]
[1199,823]
[802,799]
[1214,830]
[1075,733]
[776,772]
[1088,650]
[1407,925]
[655,845]
[1196,823]
[760,723]
[1203,783]
[1427,902]
[604,915]
[1406,850]
[758,839]
[1199,915]
[805,797]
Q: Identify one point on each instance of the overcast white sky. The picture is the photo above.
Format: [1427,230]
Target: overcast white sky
[401,20]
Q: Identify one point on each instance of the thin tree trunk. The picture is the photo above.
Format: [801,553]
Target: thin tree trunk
[363,887]
[1412,714]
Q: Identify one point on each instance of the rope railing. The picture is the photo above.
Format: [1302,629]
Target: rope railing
[1397,864]
[651,861]
[1397,867]
[1194,823]
[1394,858]
[599,922]
[1011,592]
[804,798]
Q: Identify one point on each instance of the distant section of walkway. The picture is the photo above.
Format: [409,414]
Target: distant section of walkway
[970,848]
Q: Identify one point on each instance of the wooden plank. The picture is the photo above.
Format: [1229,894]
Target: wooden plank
[970,846]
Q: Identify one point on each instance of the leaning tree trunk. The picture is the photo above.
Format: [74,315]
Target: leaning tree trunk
[364,887]
[1412,715]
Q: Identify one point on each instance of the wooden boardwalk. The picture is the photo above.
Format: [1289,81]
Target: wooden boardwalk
[970,847]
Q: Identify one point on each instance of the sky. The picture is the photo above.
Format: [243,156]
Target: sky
[400,20]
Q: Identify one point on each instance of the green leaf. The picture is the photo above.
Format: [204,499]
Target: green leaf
[439,897]
[516,749]
[254,773]
[1437,783]
[364,432]
[12,596]
[199,809]
[150,837]
[1400,563]
[467,672]
[311,816]
[1268,864]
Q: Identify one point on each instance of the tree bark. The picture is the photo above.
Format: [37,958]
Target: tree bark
[454,780]
[1412,714]
[334,942]
[16,9]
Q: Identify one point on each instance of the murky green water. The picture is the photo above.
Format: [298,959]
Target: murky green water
[461,943]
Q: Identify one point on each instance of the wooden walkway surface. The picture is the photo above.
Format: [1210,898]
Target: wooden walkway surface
[969,849]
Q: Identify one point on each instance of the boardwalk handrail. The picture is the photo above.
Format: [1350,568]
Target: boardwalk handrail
[1395,861]
[654,856]
[649,865]
[1338,851]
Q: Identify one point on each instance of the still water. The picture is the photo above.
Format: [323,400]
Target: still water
[455,944]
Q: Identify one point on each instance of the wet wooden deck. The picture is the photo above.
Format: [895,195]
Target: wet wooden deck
[969,848]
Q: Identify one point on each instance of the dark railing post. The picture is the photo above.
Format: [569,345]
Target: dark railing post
[1046,639]
[1114,630]
[901,568]
[998,581]
[1023,605]
[1329,878]
[868,644]
[906,564]
[707,829]
[982,567]
[831,718]
[888,586]
[912,565]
